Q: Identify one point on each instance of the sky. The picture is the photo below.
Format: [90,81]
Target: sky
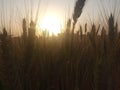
[94,10]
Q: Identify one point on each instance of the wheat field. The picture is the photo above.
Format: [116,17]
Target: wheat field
[86,60]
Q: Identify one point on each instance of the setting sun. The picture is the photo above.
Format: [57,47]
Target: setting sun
[52,24]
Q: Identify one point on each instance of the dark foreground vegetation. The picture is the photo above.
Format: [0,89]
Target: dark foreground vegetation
[69,61]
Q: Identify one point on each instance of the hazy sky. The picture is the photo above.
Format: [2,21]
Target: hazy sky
[94,10]
[63,8]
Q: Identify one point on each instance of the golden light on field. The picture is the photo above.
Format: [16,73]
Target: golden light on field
[51,23]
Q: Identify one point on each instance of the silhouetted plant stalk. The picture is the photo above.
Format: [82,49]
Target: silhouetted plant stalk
[81,32]
[111,29]
[31,31]
[77,11]
[29,54]
[103,36]
[4,44]
[30,41]
[24,26]
[92,36]
[116,29]
[76,14]
[67,35]
[68,27]
[85,28]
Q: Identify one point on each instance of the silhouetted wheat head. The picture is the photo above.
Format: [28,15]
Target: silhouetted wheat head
[112,28]
[24,26]
[78,10]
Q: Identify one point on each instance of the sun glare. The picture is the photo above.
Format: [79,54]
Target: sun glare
[52,24]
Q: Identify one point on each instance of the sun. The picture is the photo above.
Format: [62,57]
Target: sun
[52,24]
